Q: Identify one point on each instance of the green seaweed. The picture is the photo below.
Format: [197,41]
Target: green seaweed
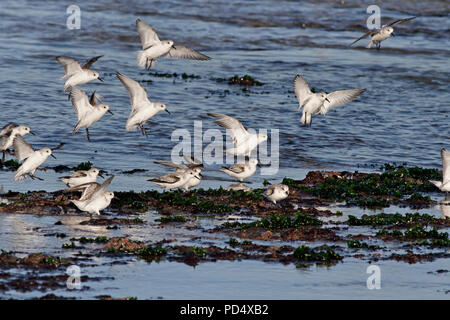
[278,221]
[305,253]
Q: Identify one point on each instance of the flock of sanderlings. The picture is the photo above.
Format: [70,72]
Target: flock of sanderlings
[95,197]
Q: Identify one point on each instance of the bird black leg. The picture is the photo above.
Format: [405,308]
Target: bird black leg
[378,45]
[3,157]
[32,176]
[88,136]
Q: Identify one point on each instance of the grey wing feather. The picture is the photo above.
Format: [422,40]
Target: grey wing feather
[400,21]
[301,90]
[172,164]
[148,35]
[22,150]
[70,65]
[237,168]
[88,64]
[6,130]
[367,34]
[338,98]
[182,52]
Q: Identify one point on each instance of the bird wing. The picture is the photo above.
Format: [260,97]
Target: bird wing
[301,90]
[99,191]
[172,165]
[95,98]
[399,21]
[137,92]
[148,35]
[6,130]
[338,98]
[76,174]
[236,129]
[365,35]
[445,154]
[80,102]
[168,178]
[88,64]
[22,150]
[87,189]
[71,66]
[182,52]
[191,160]
[236,168]
[270,190]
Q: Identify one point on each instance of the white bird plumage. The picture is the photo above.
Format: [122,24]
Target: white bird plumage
[33,159]
[380,34]
[8,133]
[77,74]
[88,110]
[243,141]
[154,48]
[444,185]
[192,164]
[175,180]
[277,192]
[141,107]
[322,102]
[241,170]
[94,198]
[81,177]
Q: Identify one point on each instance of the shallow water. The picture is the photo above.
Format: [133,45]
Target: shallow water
[402,117]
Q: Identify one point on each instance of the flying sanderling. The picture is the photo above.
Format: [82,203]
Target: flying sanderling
[88,110]
[277,192]
[77,74]
[381,34]
[322,102]
[175,180]
[241,170]
[243,141]
[81,177]
[34,159]
[180,167]
[154,48]
[444,185]
[141,108]
[8,133]
[94,198]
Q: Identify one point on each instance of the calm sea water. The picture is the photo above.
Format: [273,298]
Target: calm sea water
[402,117]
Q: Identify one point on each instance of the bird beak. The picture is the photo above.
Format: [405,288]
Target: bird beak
[167,111]
[392,34]
[53,156]
[327,100]
[100,175]
[32,133]
[258,165]
[100,79]
[110,112]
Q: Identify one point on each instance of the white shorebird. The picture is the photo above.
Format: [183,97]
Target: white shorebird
[381,34]
[241,170]
[176,180]
[238,187]
[322,102]
[94,198]
[277,192]
[81,177]
[154,48]
[444,185]
[243,141]
[77,74]
[141,107]
[88,110]
[8,133]
[34,159]
[180,167]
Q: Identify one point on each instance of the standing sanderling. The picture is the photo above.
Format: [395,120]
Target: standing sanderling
[88,110]
[381,34]
[176,180]
[241,170]
[194,165]
[322,102]
[154,48]
[81,177]
[34,159]
[277,192]
[141,108]
[8,133]
[76,73]
[244,142]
